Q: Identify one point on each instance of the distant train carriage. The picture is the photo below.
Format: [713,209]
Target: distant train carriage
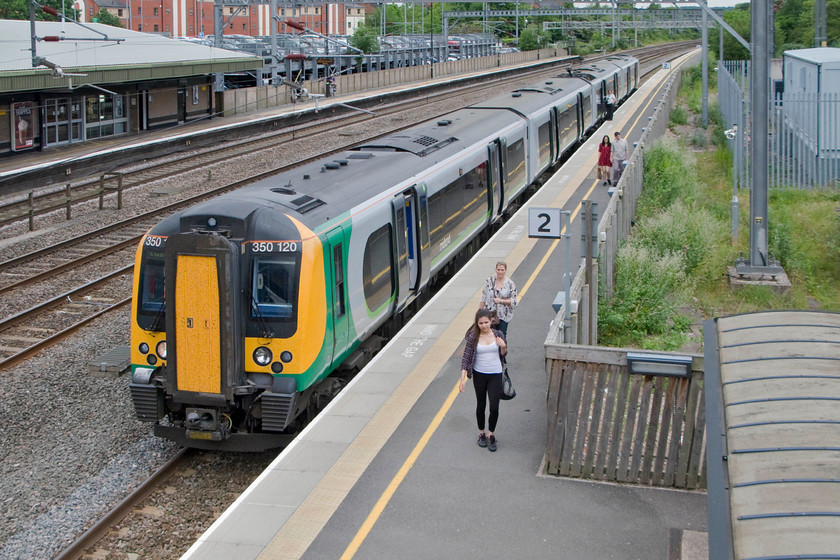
[246,304]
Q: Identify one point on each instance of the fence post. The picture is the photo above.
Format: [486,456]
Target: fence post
[68,199]
[31,211]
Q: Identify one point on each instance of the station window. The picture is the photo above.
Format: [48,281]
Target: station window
[156,28]
[155,12]
[105,115]
[119,13]
[244,27]
[139,10]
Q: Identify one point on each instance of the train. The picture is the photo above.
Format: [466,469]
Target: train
[250,311]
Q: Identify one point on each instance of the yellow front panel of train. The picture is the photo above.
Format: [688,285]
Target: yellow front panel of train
[197,328]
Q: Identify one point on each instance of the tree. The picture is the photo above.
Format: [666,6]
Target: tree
[19,9]
[106,17]
[364,39]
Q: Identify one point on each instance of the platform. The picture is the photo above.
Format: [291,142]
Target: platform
[391,469]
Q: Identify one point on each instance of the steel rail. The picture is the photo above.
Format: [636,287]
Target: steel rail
[102,527]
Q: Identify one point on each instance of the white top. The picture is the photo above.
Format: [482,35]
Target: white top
[487,358]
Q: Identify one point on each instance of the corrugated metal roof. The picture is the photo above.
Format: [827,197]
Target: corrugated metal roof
[819,55]
[136,56]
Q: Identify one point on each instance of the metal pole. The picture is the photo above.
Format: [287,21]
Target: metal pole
[820,17]
[759,89]
[705,56]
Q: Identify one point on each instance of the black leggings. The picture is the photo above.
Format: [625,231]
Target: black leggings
[487,385]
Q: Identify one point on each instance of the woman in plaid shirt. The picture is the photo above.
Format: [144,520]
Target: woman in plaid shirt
[483,356]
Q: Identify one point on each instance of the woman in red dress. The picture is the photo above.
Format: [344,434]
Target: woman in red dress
[605,160]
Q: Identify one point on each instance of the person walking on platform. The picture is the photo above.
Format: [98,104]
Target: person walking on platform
[610,102]
[605,160]
[499,295]
[483,362]
[619,156]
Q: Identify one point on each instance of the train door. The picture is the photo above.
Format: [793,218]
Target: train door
[204,342]
[555,140]
[495,177]
[338,314]
[405,208]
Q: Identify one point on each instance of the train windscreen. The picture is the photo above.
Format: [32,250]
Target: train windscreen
[274,287]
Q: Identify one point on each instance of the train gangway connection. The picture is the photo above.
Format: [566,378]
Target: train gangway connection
[391,467]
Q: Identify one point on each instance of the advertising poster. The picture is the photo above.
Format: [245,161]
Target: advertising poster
[23,126]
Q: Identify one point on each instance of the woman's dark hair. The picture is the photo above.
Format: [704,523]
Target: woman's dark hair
[607,138]
[478,315]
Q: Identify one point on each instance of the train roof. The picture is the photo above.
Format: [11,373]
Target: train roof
[533,98]
[773,388]
[317,192]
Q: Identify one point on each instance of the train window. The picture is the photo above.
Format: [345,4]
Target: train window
[274,287]
[515,161]
[544,136]
[378,280]
[338,294]
[587,109]
[567,122]
[152,298]
[456,206]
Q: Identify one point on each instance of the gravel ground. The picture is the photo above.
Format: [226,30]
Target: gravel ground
[70,443]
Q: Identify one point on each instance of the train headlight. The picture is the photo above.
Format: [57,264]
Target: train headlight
[285,356]
[262,356]
[160,349]
[151,359]
[144,348]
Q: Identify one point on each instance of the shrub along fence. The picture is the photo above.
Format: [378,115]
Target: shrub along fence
[605,422]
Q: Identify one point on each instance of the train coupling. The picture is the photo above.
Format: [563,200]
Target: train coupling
[204,423]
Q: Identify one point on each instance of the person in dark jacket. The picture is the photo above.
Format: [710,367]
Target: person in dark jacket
[483,362]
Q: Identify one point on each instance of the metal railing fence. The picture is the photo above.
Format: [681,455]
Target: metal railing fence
[804,133]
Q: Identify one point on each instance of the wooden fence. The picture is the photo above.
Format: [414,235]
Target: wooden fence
[609,425]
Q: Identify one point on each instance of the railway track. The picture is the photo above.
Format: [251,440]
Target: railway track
[29,331]
[102,527]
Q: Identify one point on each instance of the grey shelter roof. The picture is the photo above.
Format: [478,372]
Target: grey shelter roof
[139,56]
[818,55]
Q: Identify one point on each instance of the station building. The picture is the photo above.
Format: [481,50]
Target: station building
[93,81]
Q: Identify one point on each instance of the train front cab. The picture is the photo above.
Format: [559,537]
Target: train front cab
[238,363]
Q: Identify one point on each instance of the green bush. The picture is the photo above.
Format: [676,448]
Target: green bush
[680,229]
[678,116]
[698,140]
[644,309]
[670,175]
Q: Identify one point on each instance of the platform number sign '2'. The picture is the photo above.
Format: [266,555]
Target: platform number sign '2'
[544,222]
